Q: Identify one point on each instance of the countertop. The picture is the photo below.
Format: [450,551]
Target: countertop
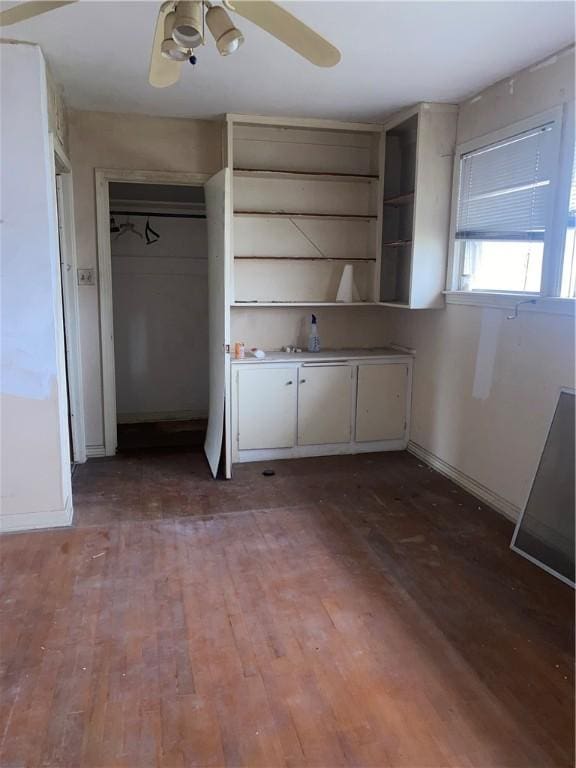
[325,356]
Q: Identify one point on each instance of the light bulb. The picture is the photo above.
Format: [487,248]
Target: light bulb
[170,49]
[228,38]
[188,26]
[173,51]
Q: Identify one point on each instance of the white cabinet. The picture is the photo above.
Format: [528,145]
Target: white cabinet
[325,404]
[266,415]
[381,402]
[294,408]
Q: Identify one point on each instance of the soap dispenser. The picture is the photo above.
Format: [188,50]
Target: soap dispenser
[314,339]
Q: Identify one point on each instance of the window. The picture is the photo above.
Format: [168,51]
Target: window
[504,204]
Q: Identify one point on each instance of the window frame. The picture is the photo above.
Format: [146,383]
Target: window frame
[559,198]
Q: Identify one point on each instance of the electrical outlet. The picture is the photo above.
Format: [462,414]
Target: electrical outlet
[86,276]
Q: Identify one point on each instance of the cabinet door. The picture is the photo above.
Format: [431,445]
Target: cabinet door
[324,404]
[266,407]
[381,402]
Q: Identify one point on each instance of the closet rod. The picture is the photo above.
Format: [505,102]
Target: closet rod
[160,215]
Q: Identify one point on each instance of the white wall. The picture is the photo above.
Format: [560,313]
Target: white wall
[110,140]
[485,388]
[160,293]
[35,456]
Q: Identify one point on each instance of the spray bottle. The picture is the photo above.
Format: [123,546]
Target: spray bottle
[314,339]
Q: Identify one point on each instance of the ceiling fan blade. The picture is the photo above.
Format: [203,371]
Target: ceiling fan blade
[288,29]
[163,72]
[24,11]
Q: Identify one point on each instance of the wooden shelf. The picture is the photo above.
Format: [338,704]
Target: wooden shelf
[255,173]
[300,258]
[296,304]
[398,200]
[396,243]
[284,215]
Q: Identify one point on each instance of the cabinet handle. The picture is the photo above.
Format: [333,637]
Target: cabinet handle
[289,382]
[302,381]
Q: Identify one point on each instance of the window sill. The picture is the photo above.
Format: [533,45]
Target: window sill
[544,304]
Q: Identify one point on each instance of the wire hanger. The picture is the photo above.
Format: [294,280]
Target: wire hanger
[128,227]
[151,235]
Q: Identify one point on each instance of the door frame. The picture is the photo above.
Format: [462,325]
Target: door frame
[103,177]
[68,263]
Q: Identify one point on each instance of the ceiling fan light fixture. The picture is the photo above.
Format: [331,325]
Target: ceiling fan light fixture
[188,27]
[173,51]
[170,49]
[228,38]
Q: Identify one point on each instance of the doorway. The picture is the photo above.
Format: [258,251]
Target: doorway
[159,260]
[217,191]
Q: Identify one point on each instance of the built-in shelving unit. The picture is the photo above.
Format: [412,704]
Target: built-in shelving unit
[305,203]
[417,174]
[310,196]
[398,213]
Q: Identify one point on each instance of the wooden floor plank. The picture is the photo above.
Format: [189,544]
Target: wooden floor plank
[347,611]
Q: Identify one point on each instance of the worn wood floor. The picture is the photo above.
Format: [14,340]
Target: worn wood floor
[358,611]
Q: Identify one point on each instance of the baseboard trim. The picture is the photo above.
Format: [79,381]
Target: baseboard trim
[501,505]
[28,521]
[95,451]
[313,451]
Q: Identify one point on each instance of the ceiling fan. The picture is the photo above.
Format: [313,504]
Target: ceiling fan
[181,28]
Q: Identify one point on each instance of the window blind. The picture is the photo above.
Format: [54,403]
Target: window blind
[572,204]
[505,188]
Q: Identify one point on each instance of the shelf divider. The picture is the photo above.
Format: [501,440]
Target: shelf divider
[301,258]
[285,215]
[296,304]
[397,200]
[259,173]
[396,243]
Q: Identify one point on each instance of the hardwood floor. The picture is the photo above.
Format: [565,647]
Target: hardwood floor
[162,435]
[348,611]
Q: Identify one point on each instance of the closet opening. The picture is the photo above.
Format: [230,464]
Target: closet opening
[159,270]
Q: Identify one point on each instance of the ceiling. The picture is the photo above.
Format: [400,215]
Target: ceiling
[393,54]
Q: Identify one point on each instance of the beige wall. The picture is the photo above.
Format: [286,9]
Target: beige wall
[536,89]
[338,327]
[485,388]
[125,142]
